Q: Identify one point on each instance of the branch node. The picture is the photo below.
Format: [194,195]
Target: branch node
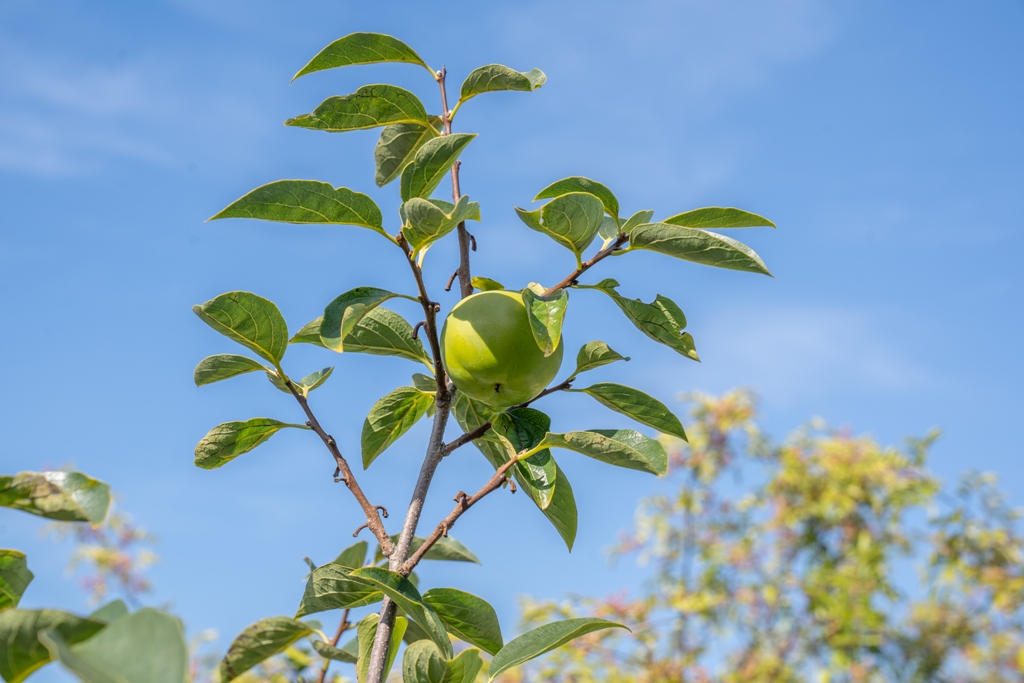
[459,496]
[383,510]
[451,280]
[472,241]
[356,532]
[511,485]
[435,306]
[444,529]
[309,423]
[416,330]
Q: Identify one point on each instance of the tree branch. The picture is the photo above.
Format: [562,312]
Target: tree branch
[342,627]
[462,504]
[599,256]
[373,520]
[465,279]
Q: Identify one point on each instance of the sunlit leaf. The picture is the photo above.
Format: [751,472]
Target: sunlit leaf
[365,634]
[467,617]
[362,48]
[637,405]
[424,221]
[260,641]
[544,639]
[252,321]
[398,145]
[581,184]
[546,315]
[431,164]
[570,219]
[698,246]
[390,417]
[595,354]
[227,441]
[346,310]
[331,587]
[14,577]
[62,496]
[495,77]
[622,447]
[718,217]
[215,368]
[22,651]
[405,595]
[368,107]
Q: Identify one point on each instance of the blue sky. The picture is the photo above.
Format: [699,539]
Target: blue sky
[883,138]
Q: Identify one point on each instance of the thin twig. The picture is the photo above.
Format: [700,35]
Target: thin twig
[448,287]
[599,256]
[465,279]
[373,520]
[342,627]
[482,429]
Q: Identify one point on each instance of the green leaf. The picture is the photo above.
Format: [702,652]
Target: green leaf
[346,310]
[331,587]
[467,617]
[431,164]
[353,556]
[698,246]
[570,219]
[525,428]
[718,217]
[304,385]
[115,609]
[22,651]
[495,77]
[260,641]
[250,320]
[146,646]
[446,548]
[362,48]
[608,228]
[328,651]
[638,218]
[622,447]
[390,417]
[662,320]
[215,368]
[561,509]
[580,184]
[61,496]
[368,107]
[227,441]
[593,355]
[486,284]
[365,633]
[385,333]
[309,333]
[398,145]
[544,639]
[413,633]
[424,382]
[14,577]
[424,663]
[425,221]
[405,595]
[546,315]
[307,202]
[637,405]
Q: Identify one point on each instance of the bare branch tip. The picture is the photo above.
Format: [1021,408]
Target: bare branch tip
[356,532]
[416,330]
[383,510]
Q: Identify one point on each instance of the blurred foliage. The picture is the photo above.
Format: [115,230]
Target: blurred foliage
[828,559]
[112,557]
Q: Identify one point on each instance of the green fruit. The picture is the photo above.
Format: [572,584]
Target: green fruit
[490,353]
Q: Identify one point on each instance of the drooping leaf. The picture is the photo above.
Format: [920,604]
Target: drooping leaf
[23,653]
[353,556]
[595,354]
[14,577]
[362,48]
[365,634]
[431,164]
[467,617]
[307,202]
[227,441]
[61,496]
[662,320]
[424,382]
[346,310]
[698,246]
[446,548]
[546,315]
[543,639]
[370,106]
[328,651]
[426,221]
[570,219]
[385,333]
[525,428]
[486,284]
[637,405]
[115,609]
[638,218]
[581,184]
[405,595]
[390,417]
[621,447]
[146,646]
[215,368]
[718,217]
[424,663]
[260,641]
[398,145]
[252,321]
[495,77]
[302,386]
[331,587]
[561,509]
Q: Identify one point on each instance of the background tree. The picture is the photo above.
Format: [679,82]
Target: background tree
[826,558]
